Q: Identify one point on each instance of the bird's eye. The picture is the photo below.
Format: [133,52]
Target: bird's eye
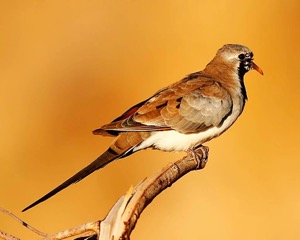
[242,56]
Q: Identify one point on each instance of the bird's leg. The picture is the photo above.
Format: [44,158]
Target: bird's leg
[200,155]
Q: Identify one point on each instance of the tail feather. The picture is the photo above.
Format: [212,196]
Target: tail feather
[122,146]
[100,162]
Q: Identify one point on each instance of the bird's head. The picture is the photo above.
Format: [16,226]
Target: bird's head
[237,57]
[229,66]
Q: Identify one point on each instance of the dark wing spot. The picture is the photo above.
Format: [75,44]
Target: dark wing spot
[179,99]
[179,102]
[161,105]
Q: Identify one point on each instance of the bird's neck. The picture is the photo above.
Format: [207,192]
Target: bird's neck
[230,79]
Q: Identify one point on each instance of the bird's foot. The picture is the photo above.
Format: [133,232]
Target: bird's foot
[200,155]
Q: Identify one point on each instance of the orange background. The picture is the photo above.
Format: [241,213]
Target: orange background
[67,67]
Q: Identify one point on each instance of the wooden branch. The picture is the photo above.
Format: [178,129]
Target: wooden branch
[122,218]
[154,185]
[21,222]
[7,236]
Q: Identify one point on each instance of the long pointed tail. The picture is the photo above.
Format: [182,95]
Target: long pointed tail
[100,162]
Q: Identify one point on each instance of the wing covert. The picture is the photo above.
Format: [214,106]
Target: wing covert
[188,106]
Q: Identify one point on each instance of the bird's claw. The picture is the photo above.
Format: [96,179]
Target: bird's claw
[199,155]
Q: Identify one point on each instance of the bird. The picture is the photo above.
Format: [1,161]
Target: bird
[179,117]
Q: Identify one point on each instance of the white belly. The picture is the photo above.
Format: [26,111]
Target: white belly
[175,141]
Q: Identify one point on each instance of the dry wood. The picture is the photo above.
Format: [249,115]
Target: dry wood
[123,216]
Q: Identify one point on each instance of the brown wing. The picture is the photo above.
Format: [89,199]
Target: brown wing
[188,106]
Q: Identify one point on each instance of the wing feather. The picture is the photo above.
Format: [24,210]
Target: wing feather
[189,106]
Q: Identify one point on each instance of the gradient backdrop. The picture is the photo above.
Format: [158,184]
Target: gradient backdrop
[67,67]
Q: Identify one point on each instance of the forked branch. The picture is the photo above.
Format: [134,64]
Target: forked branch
[123,216]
